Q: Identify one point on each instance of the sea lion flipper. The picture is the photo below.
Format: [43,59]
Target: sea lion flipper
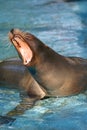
[24,105]
[6,120]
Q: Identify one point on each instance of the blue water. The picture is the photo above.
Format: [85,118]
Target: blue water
[62,26]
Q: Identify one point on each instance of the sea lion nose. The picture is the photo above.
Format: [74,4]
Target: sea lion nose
[12,30]
[11,34]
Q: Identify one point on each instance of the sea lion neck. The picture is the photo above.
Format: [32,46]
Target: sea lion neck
[47,60]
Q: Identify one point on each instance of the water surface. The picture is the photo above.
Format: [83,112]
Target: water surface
[62,26]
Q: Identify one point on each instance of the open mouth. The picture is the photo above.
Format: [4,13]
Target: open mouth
[22,47]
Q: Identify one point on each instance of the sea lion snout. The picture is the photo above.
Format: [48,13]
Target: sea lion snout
[10,34]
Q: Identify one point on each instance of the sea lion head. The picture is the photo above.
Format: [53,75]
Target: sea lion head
[26,44]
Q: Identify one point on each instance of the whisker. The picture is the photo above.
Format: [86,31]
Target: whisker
[6,43]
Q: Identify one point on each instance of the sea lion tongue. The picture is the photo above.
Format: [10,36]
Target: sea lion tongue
[22,48]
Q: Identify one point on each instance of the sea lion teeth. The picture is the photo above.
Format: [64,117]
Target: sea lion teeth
[25,62]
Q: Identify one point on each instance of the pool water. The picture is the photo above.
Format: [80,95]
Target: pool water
[63,27]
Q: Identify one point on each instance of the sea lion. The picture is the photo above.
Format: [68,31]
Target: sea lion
[57,74]
[14,75]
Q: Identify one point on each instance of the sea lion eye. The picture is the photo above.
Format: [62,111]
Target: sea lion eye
[17,36]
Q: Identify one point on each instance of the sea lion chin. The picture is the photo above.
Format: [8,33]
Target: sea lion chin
[57,74]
